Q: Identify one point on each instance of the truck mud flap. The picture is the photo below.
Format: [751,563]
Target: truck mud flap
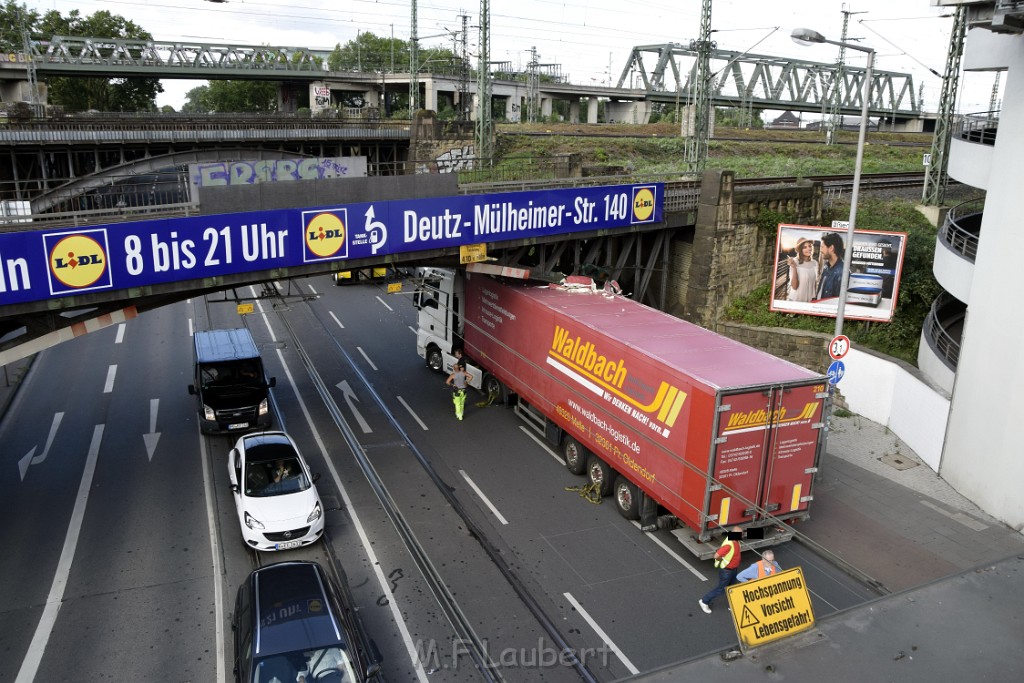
[772,536]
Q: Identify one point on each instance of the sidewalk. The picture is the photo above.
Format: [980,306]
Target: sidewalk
[956,577]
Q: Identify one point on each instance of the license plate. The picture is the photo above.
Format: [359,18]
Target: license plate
[238,425]
[288,544]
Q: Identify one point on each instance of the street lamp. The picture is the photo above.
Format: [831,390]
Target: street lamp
[805,36]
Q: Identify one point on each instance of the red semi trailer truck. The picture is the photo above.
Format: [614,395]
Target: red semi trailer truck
[675,422]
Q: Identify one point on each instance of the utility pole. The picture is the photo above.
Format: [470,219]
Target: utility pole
[935,177]
[484,121]
[697,141]
[993,101]
[30,63]
[835,118]
[532,87]
[464,71]
[414,65]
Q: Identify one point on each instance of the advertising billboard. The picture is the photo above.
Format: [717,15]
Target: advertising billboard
[809,267]
[44,264]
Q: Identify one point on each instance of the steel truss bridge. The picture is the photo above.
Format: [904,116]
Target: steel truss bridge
[666,73]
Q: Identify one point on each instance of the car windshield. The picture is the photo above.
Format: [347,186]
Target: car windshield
[274,477]
[229,374]
[324,665]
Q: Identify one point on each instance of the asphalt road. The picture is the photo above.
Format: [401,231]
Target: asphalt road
[125,555]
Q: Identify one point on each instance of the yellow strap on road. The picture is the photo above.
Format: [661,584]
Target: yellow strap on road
[590,492]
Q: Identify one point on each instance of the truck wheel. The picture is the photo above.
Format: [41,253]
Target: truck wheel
[495,391]
[599,473]
[434,359]
[627,498]
[575,456]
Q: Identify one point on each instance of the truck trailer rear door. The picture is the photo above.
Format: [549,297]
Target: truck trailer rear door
[765,452]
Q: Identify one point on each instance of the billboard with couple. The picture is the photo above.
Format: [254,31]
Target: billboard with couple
[809,272]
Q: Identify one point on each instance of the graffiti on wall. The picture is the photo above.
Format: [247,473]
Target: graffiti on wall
[455,160]
[221,173]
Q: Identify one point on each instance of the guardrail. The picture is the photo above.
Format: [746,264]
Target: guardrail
[961,229]
[980,127]
[945,313]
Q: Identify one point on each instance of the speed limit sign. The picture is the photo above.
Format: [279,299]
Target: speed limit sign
[838,347]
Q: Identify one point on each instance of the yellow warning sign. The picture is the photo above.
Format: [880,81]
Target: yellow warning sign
[244,308]
[394,287]
[774,607]
[472,253]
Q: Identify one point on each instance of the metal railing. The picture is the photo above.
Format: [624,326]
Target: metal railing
[980,127]
[962,228]
[943,328]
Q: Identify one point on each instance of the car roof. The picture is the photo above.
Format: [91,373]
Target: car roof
[295,609]
[264,446]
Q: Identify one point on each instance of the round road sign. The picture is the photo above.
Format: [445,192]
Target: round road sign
[838,347]
[836,371]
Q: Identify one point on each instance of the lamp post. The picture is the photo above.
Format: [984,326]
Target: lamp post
[805,36]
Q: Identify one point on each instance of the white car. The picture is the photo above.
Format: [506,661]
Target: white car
[275,494]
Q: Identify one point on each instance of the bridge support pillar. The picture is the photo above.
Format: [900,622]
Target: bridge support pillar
[574,111]
[592,110]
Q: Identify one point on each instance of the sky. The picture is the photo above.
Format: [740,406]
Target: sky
[591,40]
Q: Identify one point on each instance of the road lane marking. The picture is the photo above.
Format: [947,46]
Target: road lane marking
[31,458]
[218,571]
[384,304]
[360,350]
[671,552]
[553,454]
[543,445]
[312,290]
[34,655]
[120,334]
[412,329]
[600,632]
[414,415]
[350,400]
[484,498]
[109,385]
[364,538]
[336,319]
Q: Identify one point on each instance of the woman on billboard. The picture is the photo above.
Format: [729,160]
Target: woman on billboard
[803,272]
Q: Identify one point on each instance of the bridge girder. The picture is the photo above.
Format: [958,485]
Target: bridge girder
[768,81]
[70,55]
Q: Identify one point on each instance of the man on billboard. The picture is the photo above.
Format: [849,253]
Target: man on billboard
[832,276]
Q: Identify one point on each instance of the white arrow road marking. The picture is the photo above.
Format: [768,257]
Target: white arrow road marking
[153,436]
[350,399]
[28,458]
[34,654]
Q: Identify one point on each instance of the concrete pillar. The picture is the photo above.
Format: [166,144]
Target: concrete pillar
[545,106]
[429,94]
[592,110]
[574,111]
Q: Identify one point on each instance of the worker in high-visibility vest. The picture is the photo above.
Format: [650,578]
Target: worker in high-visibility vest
[727,560]
[766,566]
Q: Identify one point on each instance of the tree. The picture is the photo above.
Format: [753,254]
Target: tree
[80,94]
[13,19]
[232,96]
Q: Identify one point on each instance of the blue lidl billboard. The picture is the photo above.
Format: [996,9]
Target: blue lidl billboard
[43,264]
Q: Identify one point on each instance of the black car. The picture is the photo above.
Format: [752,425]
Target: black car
[293,623]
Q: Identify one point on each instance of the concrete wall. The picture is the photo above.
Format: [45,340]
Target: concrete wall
[982,456]
[882,389]
[730,255]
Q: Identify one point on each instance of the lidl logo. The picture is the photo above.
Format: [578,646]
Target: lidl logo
[325,233]
[78,261]
[643,204]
